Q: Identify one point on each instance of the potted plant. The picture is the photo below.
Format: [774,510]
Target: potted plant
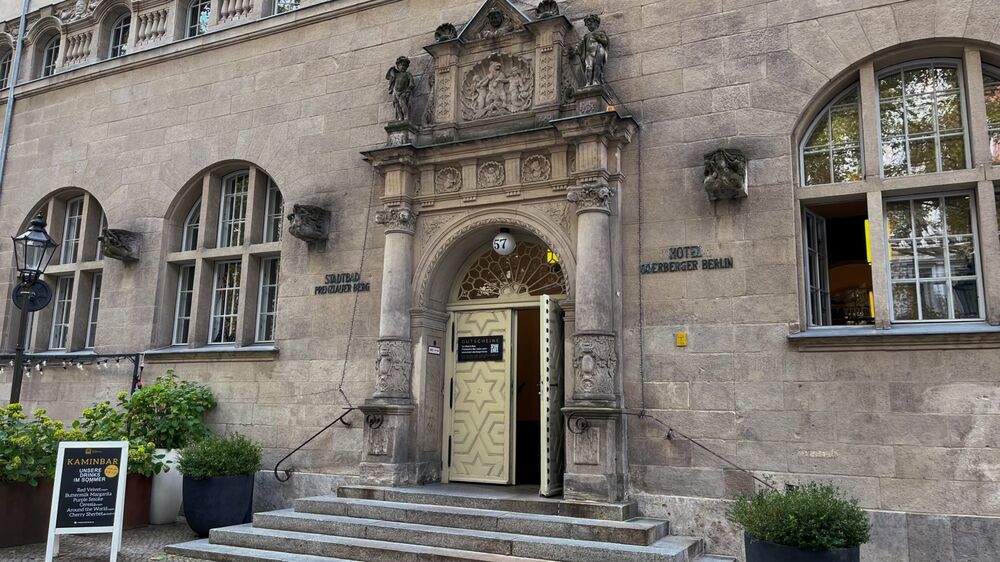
[218,481]
[810,523]
[169,413]
[102,422]
[28,450]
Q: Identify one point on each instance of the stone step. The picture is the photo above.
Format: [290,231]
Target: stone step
[715,558]
[501,498]
[639,532]
[360,550]
[548,548]
[204,550]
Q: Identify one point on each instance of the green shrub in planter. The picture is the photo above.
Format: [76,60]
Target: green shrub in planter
[169,413]
[218,481]
[814,517]
[103,422]
[28,448]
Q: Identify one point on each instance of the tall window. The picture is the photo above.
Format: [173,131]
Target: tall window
[95,305]
[922,119]
[185,297]
[282,6]
[933,258]
[274,213]
[267,302]
[71,230]
[191,224]
[832,150]
[214,303]
[5,64]
[199,13]
[99,248]
[59,336]
[119,36]
[991,92]
[233,217]
[50,56]
[225,302]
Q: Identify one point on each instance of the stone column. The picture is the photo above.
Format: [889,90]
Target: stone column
[394,362]
[595,360]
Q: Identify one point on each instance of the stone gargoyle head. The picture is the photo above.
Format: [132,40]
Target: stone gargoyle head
[725,174]
[120,244]
[309,223]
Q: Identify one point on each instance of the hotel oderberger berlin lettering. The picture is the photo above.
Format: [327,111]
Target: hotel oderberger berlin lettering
[687,258]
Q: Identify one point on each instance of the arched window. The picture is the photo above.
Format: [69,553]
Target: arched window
[532,270]
[991,93]
[199,13]
[191,223]
[226,286]
[71,322]
[50,56]
[119,36]
[831,152]
[5,65]
[282,6]
[922,119]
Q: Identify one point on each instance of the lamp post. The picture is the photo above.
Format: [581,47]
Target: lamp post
[33,250]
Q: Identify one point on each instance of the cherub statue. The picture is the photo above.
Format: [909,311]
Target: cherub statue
[401,85]
[593,51]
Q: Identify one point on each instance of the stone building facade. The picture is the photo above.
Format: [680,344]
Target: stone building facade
[770,224]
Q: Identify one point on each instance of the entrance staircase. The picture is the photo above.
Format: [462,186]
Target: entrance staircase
[446,523]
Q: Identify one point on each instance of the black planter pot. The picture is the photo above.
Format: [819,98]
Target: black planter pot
[763,551]
[217,502]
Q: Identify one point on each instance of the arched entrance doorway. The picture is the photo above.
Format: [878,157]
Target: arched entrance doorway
[504,369]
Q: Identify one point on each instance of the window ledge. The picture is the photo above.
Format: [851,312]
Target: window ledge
[180,354]
[975,335]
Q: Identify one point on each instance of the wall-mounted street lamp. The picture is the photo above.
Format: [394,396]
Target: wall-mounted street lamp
[33,250]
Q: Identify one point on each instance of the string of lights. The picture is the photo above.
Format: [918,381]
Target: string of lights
[38,364]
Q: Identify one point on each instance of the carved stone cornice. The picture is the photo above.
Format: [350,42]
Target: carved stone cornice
[392,156]
[595,365]
[397,219]
[593,196]
[393,368]
[607,125]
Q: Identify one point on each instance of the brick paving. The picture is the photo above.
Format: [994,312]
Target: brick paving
[138,545]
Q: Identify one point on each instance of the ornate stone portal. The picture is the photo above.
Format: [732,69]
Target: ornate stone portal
[485,163]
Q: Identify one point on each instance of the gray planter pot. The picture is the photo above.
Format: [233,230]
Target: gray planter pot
[763,551]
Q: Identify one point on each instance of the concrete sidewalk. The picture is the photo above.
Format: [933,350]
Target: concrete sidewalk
[138,545]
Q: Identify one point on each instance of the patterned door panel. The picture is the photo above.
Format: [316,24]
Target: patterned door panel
[480,426]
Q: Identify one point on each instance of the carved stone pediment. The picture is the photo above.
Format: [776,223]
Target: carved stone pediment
[496,19]
[120,244]
[309,223]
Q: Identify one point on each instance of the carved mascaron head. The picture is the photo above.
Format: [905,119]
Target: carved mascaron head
[593,21]
[495,17]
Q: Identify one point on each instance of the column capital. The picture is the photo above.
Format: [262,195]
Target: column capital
[593,196]
[400,219]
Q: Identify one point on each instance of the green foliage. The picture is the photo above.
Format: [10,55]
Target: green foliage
[813,517]
[167,412]
[102,422]
[231,455]
[28,448]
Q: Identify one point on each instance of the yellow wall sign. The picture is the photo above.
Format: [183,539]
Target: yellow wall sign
[682,339]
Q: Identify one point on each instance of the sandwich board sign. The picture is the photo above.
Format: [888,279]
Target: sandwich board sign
[89,492]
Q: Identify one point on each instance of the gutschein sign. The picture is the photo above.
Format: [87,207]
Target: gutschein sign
[89,492]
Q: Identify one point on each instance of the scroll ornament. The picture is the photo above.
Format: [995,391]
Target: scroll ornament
[401,219]
[592,195]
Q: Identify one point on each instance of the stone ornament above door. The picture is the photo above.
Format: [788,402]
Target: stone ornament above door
[498,85]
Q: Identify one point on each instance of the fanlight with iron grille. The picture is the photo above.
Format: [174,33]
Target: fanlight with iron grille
[531,270]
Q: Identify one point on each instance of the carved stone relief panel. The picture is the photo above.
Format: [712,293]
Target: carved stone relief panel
[558,211]
[595,362]
[448,180]
[499,85]
[393,368]
[491,174]
[536,168]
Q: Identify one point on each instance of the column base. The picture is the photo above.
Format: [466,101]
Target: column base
[595,456]
[401,133]
[386,457]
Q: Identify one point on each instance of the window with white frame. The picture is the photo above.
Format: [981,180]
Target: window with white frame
[119,36]
[225,302]
[50,56]
[77,277]
[71,230]
[273,213]
[282,6]
[189,240]
[226,288]
[5,66]
[267,302]
[63,303]
[95,306]
[917,235]
[199,14]
[233,217]
[185,299]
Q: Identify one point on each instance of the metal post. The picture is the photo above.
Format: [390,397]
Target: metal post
[22,326]
[11,85]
